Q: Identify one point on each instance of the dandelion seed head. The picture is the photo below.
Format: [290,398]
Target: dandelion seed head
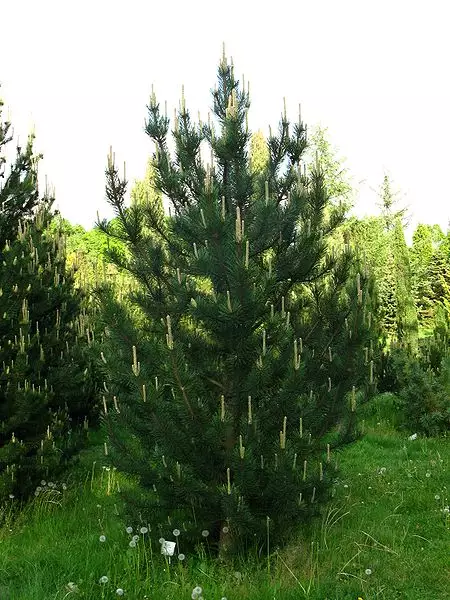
[181,557]
[132,544]
[11,496]
[205,533]
[225,529]
[161,540]
[129,530]
[103,579]
[102,538]
[428,474]
[43,482]
[143,530]
[176,532]
[368,571]
[437,497]
[120,592]
[135,538]
[72,587]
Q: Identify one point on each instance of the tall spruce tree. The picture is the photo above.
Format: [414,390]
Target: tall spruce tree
[228,402]
[47,387]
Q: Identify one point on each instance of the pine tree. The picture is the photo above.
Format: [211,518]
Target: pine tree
[228,402]
[47,384]
[18,189]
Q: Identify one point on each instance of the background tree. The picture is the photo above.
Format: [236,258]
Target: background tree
[388,204]
[421,255]
[18,187]
[382,242]
[47,387]
[228,402]
[407,325]
[336,175]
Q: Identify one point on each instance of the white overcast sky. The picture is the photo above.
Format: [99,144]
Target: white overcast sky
[375,72]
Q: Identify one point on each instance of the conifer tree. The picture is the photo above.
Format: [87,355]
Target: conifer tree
[230,400]
[336,176]
[382,241]
[407,324]
[47,387]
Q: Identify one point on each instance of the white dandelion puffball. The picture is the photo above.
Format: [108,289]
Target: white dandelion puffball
[132,544]
[168,548]
[102,538]
[205,533]
[64,486]
[176,532]
[413,437]
[143,530]
[43,482]
[428,474]
[225,529]
[103,579]
[129,530]
[135,538]
[11,496]
[119,592]
[368,571]
[196,592]
[161,540]
[181,557]
[437,497]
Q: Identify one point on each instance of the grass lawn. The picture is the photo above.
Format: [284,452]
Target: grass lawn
[384,536]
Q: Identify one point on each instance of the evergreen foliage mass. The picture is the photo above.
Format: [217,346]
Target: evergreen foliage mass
[229,401]
[47,382]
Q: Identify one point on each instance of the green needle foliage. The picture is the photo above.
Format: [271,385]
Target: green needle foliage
[47,384]
[228,402]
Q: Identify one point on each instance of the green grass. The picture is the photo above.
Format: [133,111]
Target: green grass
[386,515]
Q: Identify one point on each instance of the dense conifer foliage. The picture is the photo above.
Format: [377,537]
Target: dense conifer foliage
[47,382]
[228,402]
